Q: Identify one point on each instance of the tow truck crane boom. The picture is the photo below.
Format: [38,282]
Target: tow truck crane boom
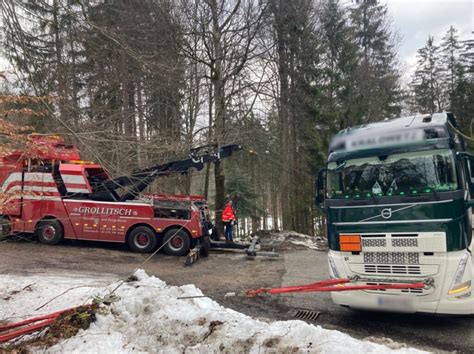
[138,180]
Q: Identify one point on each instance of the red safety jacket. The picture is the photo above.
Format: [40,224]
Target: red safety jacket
[228,213]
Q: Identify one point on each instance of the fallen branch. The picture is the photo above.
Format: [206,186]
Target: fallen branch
[64,292]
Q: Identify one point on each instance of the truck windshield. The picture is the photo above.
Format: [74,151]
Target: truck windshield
[398,174]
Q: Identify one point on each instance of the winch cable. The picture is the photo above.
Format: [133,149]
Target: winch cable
[336,285]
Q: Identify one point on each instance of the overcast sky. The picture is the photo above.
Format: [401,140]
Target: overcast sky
[415,20]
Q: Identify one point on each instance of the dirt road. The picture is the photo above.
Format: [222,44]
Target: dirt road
[222,273]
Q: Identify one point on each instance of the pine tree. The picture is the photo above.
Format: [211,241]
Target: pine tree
[450,61]
[41,41]
[427,80]
[462,97]
[341,96]
[378,75]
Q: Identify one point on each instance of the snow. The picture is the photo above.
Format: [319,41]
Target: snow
[282,240]
[150,317]
[21,296]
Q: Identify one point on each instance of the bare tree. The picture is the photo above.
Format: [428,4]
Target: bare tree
[227,32]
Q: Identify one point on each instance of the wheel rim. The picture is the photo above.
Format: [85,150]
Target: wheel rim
[49,232]
[142,240]
[176,243]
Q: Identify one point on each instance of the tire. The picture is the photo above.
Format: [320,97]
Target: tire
[50,232]
[142,239]
[178,245]
[5,228]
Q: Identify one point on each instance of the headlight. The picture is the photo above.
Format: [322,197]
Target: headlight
[458,285]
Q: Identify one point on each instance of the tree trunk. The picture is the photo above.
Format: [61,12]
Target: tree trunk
[141,123]
[208,166]
[60,72]
[283,111]
[219,109]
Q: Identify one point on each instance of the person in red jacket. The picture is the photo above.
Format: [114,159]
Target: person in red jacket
[228,217]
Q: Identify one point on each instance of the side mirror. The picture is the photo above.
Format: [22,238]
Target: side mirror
[469,168]
[469,203]
[320,184]
[470,171]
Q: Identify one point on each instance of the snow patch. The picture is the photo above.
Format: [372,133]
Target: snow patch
[290,240]
[151,317]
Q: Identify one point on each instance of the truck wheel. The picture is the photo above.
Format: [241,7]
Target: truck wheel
[179,243]
[5,227]
[50,232]
[142,239]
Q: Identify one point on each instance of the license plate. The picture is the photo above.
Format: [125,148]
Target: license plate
[396,303]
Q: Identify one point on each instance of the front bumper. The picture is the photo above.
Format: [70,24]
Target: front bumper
[406,303]
[434,299]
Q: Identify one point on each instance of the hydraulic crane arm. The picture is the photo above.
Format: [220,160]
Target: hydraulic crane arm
[138,180]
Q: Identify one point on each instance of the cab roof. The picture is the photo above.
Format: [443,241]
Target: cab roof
[391,133]
[415,121]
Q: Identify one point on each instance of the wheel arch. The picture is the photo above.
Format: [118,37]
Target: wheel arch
[48,217]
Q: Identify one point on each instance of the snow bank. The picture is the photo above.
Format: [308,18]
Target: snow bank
[21,296]
[150,317]
[290,240]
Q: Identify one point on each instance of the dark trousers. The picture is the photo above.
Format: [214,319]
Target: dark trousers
[228,230]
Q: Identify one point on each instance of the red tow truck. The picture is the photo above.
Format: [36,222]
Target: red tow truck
[52,193]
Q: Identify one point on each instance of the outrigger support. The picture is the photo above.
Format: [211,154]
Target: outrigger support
[249,248]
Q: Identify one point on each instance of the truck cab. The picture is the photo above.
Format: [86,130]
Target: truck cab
[398,197]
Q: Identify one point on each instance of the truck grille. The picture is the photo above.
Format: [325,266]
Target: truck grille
[404,242]
[396,240]
[392,269]
[376,242]
[392,257]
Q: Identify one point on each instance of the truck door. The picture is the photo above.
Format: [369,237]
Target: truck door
[108,229]
[40,196]
[91,222]
[84,217]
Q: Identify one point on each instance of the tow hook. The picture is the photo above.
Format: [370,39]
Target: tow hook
[429,282]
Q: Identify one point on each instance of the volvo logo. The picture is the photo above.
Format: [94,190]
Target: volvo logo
[386,213]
